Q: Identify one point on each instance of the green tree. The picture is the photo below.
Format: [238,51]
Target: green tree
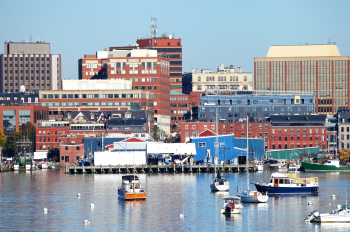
[10,146]
[27,131]
[53,154]
[3,139]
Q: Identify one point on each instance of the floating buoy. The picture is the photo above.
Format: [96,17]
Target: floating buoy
[45,210]
[78,195]
[310,203]
[87,221]
[92,205]
[333,196]
[182,215]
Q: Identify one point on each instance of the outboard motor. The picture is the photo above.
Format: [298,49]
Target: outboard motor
[313,217]
[228,209]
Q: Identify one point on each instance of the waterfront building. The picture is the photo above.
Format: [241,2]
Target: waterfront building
[31,65]
[308,68]
[71,149]
[343,119]
[130,123]
[232,105]
[297,131]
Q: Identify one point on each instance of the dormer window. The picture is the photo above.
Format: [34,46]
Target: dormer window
[92,116]
[127,115]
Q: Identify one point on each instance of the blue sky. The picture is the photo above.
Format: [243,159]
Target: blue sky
[212,32]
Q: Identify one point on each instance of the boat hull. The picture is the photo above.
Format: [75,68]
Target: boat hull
[132,196]
[314,167]
[254,199]
[286,190]
[214,187]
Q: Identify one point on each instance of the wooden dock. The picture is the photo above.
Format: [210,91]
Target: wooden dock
[172,168]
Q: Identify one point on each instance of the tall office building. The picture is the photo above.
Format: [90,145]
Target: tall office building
[308,68]
[31,65]
[171,48]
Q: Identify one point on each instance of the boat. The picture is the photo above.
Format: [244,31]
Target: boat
[340,215]
[220,183]
[15,167]
[259,166]
[51,166]
[43,165]
[131,188]
[249,196]
[232,205]
[328,165]
[293,167]
[288,183]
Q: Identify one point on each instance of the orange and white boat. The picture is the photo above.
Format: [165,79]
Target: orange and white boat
[131,189]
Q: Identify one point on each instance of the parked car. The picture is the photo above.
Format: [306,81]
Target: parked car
[84,163]
[270,161]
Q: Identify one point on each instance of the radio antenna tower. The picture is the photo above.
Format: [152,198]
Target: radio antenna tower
[153,27]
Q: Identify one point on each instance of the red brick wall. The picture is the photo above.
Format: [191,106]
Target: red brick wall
[70,153]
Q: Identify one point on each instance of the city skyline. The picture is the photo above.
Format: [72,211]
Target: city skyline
[224,32]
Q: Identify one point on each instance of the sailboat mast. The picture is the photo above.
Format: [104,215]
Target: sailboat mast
[247,158]
[216,139]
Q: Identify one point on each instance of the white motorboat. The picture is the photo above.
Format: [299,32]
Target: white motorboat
[131,189]
[232,205]
[43,165]
[340,215]
[259,166]
[51,166]
[220,183]
[15,167]
[249,196]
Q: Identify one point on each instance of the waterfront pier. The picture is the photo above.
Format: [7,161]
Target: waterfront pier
[171,168]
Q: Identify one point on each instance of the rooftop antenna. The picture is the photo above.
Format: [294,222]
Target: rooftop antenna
[153,27]
[30,36]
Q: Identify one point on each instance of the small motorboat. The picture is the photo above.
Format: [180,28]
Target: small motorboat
[259,166]
[340,215]
[131,188]
[43,165]
[288,183]
[232,205]
[250,196]
[220,183]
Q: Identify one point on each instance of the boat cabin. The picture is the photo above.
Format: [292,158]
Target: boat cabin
[332,162]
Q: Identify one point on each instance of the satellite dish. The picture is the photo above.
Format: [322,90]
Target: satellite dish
[22,89]
[170,36]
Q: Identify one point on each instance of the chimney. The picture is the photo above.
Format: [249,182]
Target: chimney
[192,70]
[197,70]
[239,69]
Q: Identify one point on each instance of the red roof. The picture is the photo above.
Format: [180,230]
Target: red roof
[207,133]
[133,140]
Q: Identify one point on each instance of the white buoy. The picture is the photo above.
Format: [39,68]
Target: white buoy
[45,210]
[310,203]
[87,221]
[92,205]
[333,196]
[78,195]
[182,215]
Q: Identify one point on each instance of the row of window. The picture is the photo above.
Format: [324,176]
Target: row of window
[27,71]
[27,58]
[27,78]
[291,146]
[292,138]
[48,132]
[77,96]
[179,98]
[221,78]
[297,130]
[57,104]
[32,65]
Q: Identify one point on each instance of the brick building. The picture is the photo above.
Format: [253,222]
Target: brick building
[71,149]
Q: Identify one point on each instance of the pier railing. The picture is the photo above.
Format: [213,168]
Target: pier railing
[171,168]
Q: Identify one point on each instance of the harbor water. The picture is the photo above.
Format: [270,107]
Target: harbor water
[175,202]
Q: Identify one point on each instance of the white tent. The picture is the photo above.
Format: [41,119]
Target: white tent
[40,155]
[171,148]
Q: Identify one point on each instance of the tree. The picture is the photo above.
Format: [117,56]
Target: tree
[3,139]
[10,146]
[28,131]
[53,155]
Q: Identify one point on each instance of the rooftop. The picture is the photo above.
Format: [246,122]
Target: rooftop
[303,50]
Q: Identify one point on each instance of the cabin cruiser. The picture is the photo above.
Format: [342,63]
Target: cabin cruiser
[220,183]
[232,205]
[288,183]
[340,215]
[131,188]
[250,196]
